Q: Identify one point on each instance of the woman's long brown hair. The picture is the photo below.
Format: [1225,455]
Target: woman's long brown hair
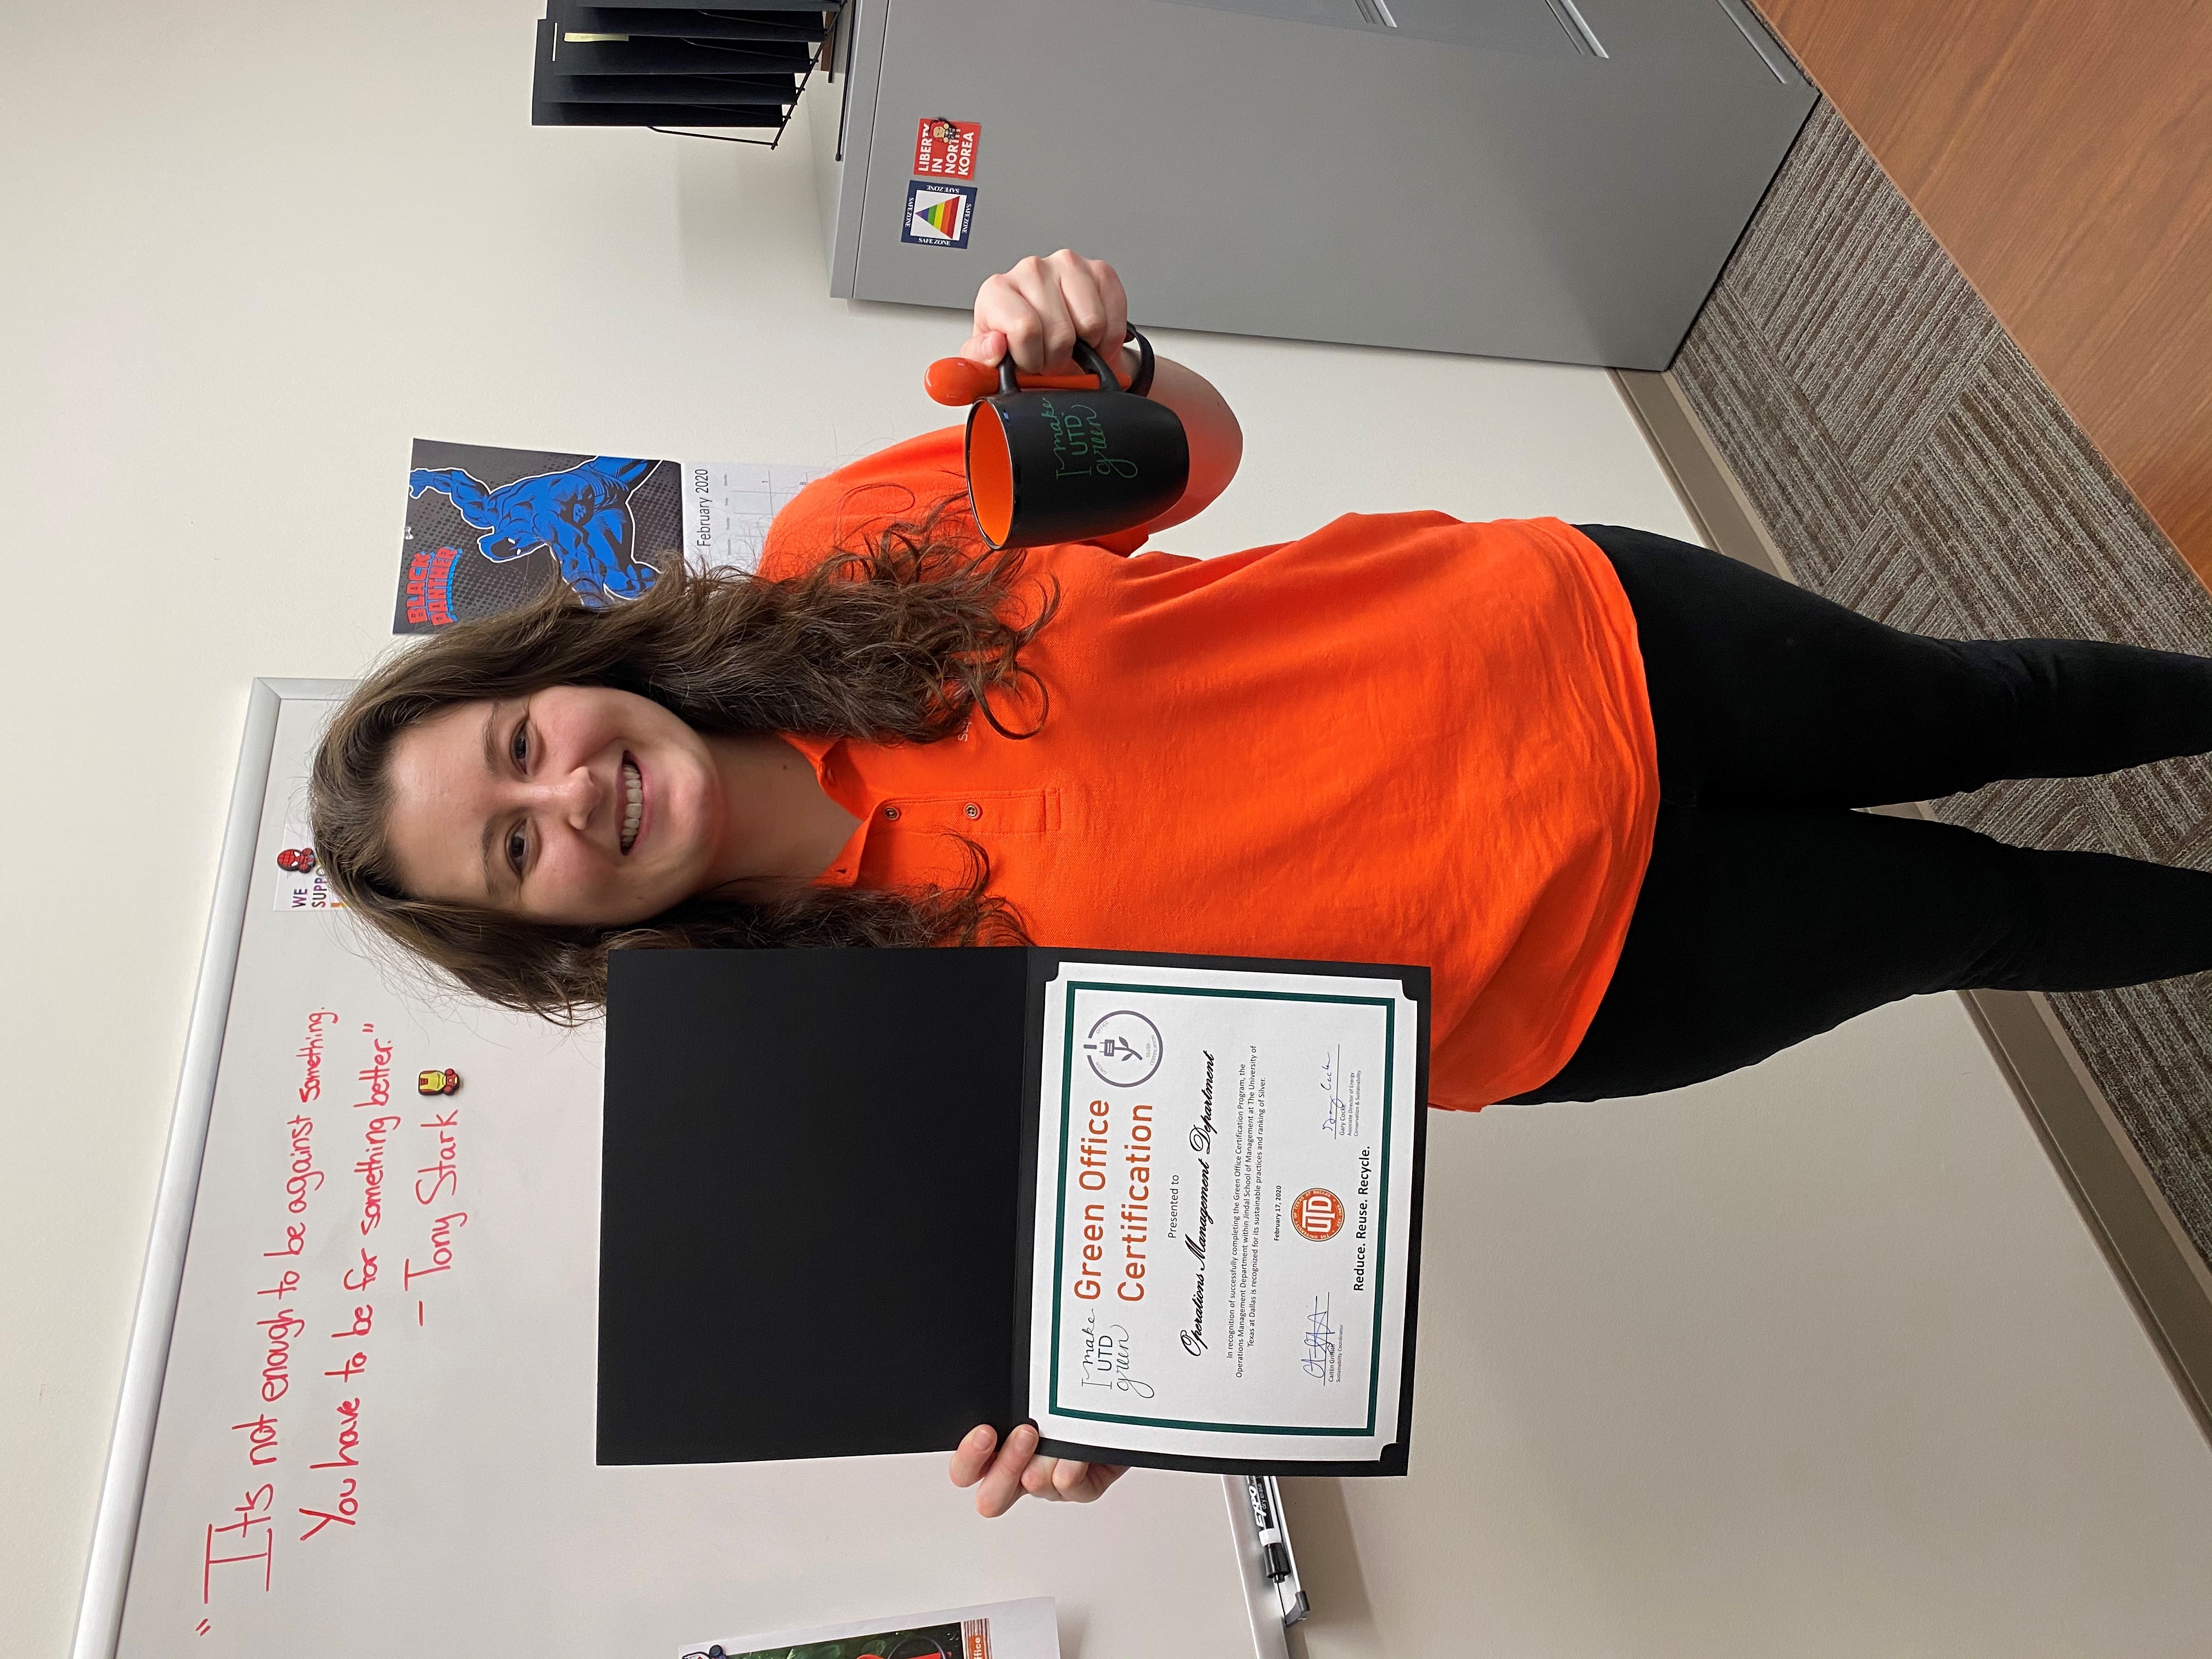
[903,642]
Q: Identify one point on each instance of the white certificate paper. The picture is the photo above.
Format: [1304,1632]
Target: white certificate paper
[1224,1172]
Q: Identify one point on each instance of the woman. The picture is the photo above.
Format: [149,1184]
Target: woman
[1600,781]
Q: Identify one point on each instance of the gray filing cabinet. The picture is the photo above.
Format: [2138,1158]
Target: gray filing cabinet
[1560,179]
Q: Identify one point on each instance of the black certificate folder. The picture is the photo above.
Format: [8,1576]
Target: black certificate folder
[856,1202]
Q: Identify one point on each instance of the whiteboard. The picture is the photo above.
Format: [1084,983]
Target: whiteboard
[357,1415]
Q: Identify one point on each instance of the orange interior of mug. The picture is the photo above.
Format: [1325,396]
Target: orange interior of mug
[990,475]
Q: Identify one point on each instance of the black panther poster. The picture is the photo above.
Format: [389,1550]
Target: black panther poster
[489,529]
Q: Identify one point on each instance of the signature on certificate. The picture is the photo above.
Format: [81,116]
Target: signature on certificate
[1323,1360]
[1341,1117]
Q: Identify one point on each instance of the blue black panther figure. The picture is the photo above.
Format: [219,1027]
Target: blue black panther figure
[582,514]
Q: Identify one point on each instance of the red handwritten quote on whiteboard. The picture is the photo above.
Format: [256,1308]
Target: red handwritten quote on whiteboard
[364,1230]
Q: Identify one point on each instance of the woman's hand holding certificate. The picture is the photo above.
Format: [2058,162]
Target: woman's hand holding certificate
[1017,1470]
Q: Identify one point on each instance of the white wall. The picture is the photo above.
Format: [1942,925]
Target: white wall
[249,253]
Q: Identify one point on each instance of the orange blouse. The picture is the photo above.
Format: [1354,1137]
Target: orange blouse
[1400,738]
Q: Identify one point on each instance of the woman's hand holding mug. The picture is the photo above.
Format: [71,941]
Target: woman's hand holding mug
[1033,316]
[1039,309]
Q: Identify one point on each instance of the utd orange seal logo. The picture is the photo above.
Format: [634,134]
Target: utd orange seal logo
[1317,1213]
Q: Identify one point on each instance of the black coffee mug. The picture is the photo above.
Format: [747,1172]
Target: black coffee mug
[1067,466]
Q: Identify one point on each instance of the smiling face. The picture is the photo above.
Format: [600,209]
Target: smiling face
[576,803]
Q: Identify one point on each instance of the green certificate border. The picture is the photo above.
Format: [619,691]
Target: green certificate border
[1390,1007]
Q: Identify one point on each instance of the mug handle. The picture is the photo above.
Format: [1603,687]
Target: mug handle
[1086,357]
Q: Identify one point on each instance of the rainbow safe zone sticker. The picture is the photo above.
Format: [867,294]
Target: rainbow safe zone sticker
[939,214]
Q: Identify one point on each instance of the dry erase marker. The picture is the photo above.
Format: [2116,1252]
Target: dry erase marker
[1274,1556]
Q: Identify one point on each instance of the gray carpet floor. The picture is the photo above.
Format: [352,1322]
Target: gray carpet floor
[1911,465]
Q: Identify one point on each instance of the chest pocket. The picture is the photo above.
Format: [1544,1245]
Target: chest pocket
[983,815]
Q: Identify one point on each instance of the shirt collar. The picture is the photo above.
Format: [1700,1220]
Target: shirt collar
[834,771]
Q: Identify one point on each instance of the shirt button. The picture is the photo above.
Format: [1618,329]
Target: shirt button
[891,812]
[974,811]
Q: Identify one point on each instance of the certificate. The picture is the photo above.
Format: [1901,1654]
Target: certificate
[1222,1239]
[855,1202]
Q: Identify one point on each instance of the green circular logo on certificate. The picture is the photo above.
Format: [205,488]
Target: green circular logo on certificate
[1123,1048]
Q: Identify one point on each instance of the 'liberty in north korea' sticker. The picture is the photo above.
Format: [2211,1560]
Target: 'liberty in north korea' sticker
[945,149]
[939,214]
